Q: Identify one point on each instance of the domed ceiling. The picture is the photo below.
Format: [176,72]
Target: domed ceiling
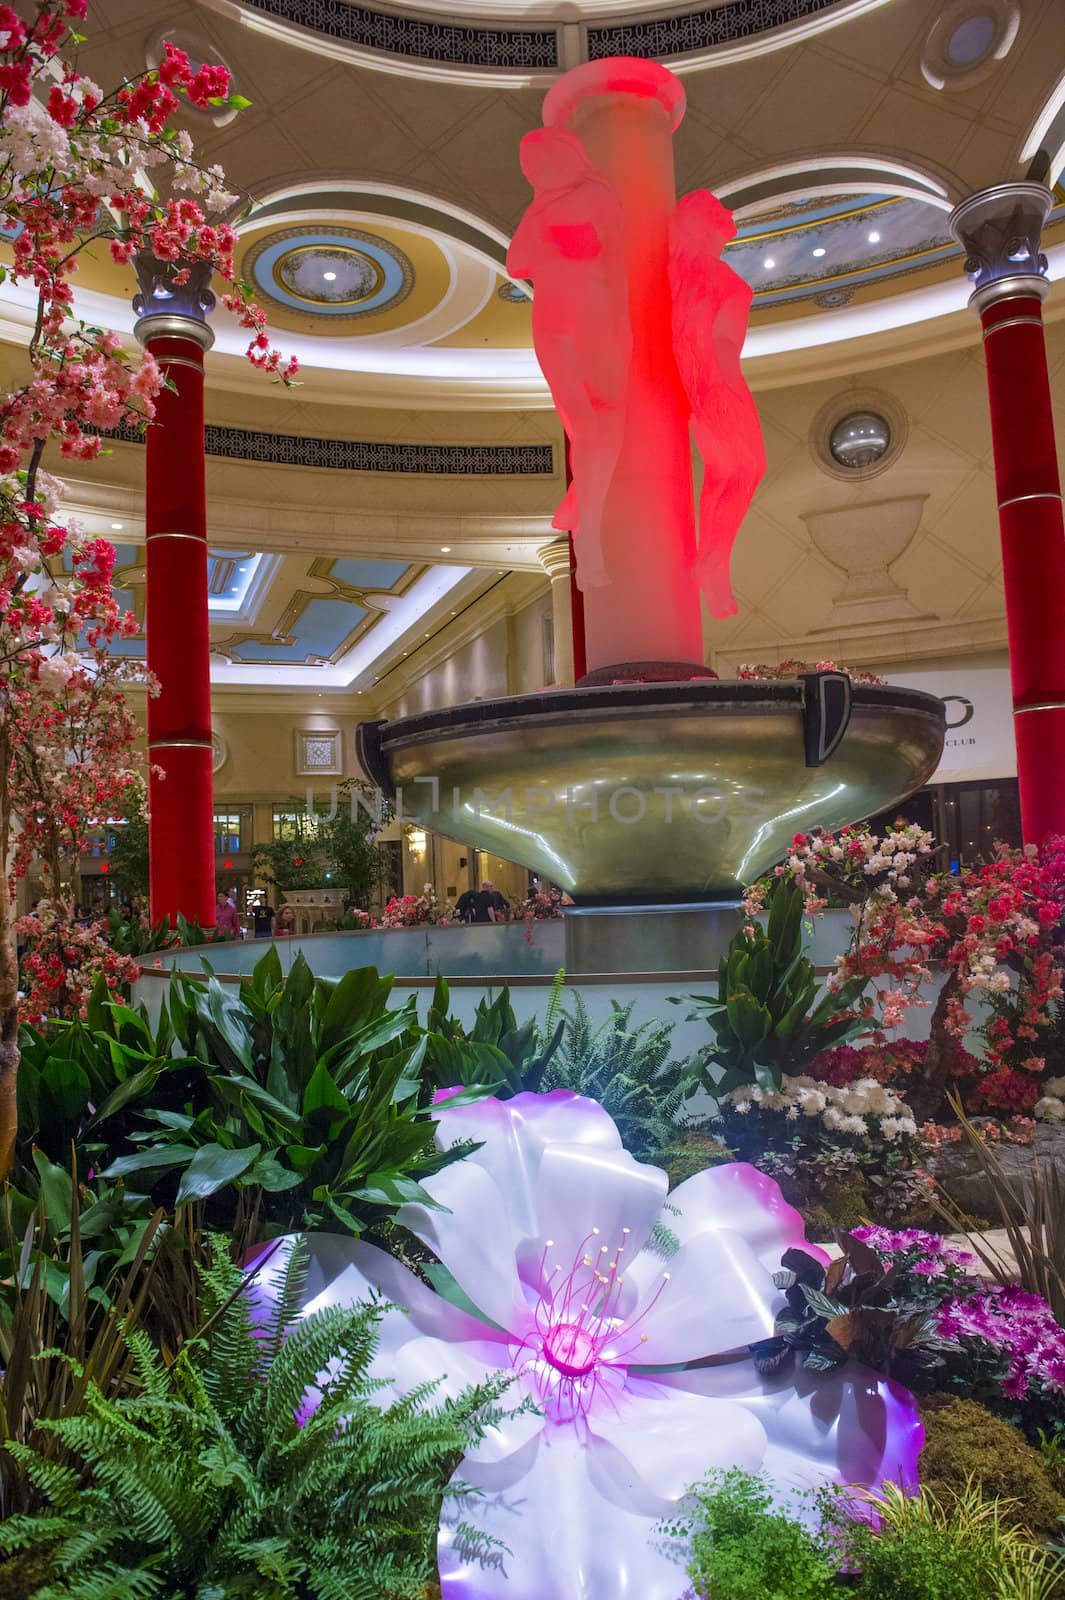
[823,251]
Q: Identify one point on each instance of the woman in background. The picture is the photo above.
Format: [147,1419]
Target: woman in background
[226,920]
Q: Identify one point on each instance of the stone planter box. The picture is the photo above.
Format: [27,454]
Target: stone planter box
[314,907]
[958,1171]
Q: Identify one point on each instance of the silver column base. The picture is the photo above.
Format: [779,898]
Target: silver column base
[690,937]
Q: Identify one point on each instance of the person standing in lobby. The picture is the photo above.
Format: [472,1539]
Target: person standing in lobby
[227,922]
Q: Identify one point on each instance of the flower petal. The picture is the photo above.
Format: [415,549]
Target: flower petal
[738,1196]
[472,1239]
[845,1426]
[712,1295]
[571,1529]
[671,1440]
[580,1188]
[342,1270]
[513,1135]
[336,1277]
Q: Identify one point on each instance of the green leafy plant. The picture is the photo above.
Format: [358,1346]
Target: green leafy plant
[767,1017]
[292,863]
[66,1307]
[131,937]
[496,1054]
[744,1548]
[128,859]
[212,1482]
[336,845]
[308,1098]
[886,1545]
[628,1069]
[956,1547]
[851,1310]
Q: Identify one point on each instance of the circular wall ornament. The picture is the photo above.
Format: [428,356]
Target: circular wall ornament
[967,41]
[330,271]
[513,294]
[860,440]
[219,751]
[858,434]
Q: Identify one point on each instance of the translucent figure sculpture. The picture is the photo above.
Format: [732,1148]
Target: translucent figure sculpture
[547,1230]
[711,304]
[635,345]
[570,243]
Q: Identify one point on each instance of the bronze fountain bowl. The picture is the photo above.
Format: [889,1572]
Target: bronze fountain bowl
[638,793]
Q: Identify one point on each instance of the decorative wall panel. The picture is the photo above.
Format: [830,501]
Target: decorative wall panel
[353,455]
[699,30]
[425,41]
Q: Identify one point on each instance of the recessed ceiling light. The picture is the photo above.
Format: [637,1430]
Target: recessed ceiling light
[874,237]
[445,549]
[768,263]
[116,527]
[330,277]
[820,251]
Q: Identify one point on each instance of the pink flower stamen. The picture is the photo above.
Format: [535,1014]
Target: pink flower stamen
[580,1344]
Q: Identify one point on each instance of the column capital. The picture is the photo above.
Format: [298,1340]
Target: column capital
[999,229]
[555,559]
[164,307]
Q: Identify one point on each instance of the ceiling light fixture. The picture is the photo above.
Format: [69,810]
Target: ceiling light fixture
[768,263]
[116,527]
[330,277]
[445,549]
[820,251]
[874,237]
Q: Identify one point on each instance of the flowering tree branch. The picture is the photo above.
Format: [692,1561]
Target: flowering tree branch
[79,167]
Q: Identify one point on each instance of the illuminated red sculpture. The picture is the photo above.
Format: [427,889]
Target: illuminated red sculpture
[711,304]
[570,241]
[638,325]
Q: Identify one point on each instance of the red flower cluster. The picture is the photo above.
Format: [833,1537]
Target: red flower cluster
[888,1063]
[1006,1090]
[63,961]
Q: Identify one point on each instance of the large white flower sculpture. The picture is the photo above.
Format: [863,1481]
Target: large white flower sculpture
[631,1342]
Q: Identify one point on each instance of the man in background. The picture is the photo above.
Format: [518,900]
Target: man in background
[497,909]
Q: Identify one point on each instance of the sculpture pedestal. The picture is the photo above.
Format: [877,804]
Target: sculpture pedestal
[685,938]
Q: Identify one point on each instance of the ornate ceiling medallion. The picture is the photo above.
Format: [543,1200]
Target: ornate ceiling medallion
[329,271]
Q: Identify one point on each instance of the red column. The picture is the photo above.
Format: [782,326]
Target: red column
[180,789]
[1000,228]
[1033,553]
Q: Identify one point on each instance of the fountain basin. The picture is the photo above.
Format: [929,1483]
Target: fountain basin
[650,793]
